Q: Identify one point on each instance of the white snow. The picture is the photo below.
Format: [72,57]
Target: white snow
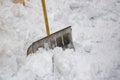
[96,36]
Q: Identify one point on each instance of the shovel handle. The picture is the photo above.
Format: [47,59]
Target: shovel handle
[45,17]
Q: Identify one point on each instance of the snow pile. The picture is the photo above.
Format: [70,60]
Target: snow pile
[17,27]
[69,65]
[96,35]
[33,70]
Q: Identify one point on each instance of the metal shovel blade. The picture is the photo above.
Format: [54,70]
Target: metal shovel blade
[62,38]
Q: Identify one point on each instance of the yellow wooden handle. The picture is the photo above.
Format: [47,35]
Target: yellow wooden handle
[45,17]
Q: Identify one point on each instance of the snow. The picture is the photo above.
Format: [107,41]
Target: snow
[96,36]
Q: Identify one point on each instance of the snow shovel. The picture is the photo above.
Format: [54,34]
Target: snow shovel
[61,38]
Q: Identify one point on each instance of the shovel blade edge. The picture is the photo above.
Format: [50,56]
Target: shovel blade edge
[61,38]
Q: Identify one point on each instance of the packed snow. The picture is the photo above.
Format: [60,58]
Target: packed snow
[95,31]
